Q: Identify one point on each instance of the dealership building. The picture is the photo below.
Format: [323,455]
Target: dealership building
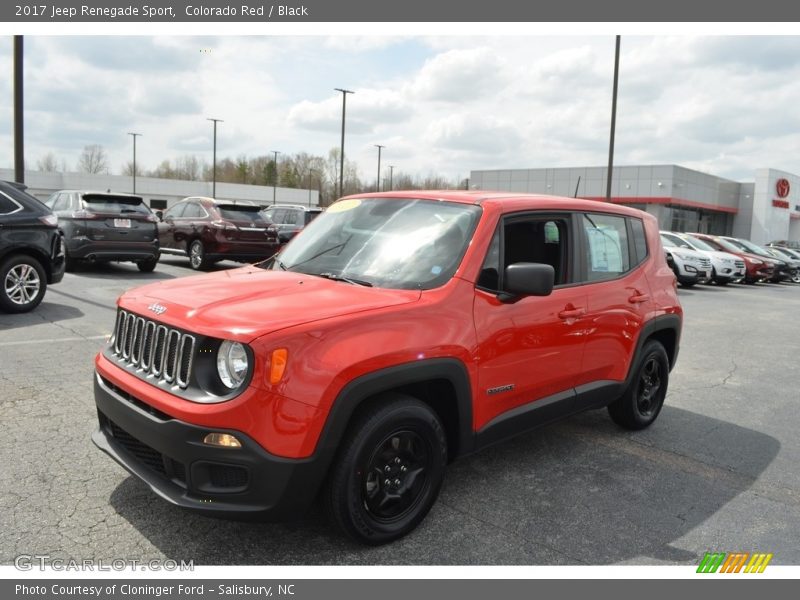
[764,210]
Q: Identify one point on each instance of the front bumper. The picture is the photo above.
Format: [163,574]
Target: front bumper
[169,456]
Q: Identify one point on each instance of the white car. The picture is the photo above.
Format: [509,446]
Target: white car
[725,267]
[690,266]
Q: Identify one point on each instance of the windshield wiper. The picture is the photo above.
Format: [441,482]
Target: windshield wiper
[335,277]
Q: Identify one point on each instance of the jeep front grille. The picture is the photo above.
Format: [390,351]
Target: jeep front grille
[154,349]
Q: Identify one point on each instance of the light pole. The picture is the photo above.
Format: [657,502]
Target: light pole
[275,183]
[19,138]
[134,136]
[391,174]
[613,122]
[341,152]
[214,164]
[378,181]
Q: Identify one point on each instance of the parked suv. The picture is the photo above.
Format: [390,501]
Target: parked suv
[391,336]
[208,230]
[103,227]
[689,265]
[31,249]
[757,268]
[782,269]
[289,219]
[725,267]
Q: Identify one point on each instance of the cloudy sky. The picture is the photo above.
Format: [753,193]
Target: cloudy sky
[725,105]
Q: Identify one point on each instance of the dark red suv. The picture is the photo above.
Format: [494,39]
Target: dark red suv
[208,230]
[391,336]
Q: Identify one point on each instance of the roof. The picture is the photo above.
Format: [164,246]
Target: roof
[506,200]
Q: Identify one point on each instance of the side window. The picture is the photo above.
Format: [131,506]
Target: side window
[639,240]
[278,216]
[607,252]
[192,211]
[291,217]
[61,203]
[175,211]
[6,205]
[527,239]
[51,200]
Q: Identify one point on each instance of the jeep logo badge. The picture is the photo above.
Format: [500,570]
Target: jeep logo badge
[157,308]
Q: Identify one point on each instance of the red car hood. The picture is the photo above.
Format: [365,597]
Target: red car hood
[243,304]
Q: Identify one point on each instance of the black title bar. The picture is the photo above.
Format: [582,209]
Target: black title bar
[463,11]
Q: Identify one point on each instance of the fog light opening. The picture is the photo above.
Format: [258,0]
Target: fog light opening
[224,440]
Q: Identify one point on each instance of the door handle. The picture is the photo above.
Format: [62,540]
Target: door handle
[571,313]
[639,298]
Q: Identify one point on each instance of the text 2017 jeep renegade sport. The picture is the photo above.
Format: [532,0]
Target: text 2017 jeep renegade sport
[395,333]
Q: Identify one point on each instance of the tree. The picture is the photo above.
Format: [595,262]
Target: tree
[47,163]
[270,173]
[188,167]
[163,171]
[127,169]
[242,168]
[93,159]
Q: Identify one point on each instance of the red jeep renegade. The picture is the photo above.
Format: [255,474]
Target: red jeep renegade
[396,333]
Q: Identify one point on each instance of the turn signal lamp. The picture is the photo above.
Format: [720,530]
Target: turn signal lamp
[277,365]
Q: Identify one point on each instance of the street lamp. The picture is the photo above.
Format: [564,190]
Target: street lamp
[391,173]
[214,164]
[275,183]
[378,181]
[341,152]
[134,135]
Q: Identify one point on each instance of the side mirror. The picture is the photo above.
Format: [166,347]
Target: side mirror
[527,279]
[160,215]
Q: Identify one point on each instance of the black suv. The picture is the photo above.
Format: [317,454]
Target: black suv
[102,227]
[289,219]
[31,249]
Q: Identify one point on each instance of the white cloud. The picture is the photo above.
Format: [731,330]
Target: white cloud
[460,75]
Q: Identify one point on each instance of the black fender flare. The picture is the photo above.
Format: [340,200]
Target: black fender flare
[356,392]
[668,322]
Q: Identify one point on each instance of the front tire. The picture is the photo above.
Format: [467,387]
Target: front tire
[23,283]
[389,471]
[641,403]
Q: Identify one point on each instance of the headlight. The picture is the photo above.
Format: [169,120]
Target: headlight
[232,364]
[755,261]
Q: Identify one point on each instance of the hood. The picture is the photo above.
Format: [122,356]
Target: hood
[719,254]
[243,304]
[685,252]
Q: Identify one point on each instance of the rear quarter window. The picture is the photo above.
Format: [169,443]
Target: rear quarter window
[639,240]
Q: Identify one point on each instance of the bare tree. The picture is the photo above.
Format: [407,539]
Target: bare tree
[93,159]
[47,163]
[188,167]
[127,169]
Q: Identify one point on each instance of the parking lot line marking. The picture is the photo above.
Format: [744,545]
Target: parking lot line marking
[54,340]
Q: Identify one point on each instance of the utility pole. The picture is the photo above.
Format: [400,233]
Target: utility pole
[378,181]
[391,174]
[341,152]
[134,135]
[613,122]
[214,164]
[275,183]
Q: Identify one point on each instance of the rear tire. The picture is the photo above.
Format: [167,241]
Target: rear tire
[388,472]
[641,403]
[23,283]
[147,266]
[197,256]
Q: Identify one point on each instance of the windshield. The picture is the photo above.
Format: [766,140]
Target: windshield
[731,245]
[114,204]
[751,247]
[673,241]
[393,243]
[698,244]
[242,213]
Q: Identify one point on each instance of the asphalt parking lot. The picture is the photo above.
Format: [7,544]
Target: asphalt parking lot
[718,471]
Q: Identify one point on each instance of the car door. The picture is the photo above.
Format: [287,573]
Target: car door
[619,299]
[166,226]
[530,350]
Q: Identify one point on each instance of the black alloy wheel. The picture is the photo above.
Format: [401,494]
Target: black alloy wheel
[642,401]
